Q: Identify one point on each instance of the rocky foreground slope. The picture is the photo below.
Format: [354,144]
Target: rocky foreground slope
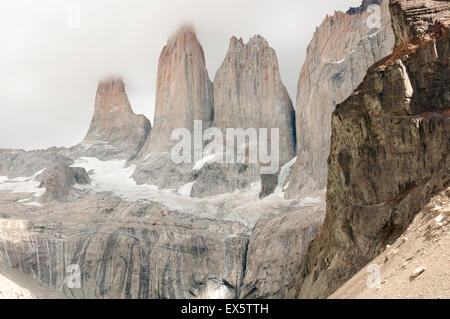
[416,265]
[390,150]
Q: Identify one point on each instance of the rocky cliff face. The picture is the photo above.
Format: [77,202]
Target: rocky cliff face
[184,94]
[135,241]
[275,251]
[115,130]
[123,250]
[248,93]
[389,151]
[59,181]
[341,51]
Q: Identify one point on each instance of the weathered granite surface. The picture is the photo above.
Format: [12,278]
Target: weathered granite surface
[248,94]
[389,151]
[275,251]
[115,130]
[184,94]
[59,181]
[124,250]
[21,163]
[340,53]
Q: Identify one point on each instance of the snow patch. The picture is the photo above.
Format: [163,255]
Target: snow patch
[23,184]
[283,176]
[208,159]
[338,62]
[242,205]
[186,189]
[34,204]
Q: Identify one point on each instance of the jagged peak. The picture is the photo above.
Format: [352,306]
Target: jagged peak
[256,41]
[235,42]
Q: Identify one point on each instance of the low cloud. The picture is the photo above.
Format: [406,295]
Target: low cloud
[50,68]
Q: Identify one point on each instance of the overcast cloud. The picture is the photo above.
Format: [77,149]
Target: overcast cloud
[49,72]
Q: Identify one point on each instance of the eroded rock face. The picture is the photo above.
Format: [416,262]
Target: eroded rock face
[214,179]
[184,94]
[342,50]
[124,250]
[20,163]
[417,19]
[275,252]
[115,130]
[389,152]
[59,180]
[249,93]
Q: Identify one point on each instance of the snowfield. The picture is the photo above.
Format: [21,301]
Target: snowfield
[114,177]
[244,206]
[22,184]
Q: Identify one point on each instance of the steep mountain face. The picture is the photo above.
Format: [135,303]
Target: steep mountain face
[17,285]
[275,251]
[389,151]
[184,94]
[115,130]
[122,249]
[340,53]
[144,249]
[248,94]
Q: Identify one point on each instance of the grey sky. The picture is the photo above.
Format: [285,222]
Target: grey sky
[49,72]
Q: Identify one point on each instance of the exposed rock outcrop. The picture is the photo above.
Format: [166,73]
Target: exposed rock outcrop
[340,53]
[184,94]
[20,163]
[275,251]
[123,250]
[60,179]
[389,151]
[213,179]
[415,266]
[248,94]
[115,130]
